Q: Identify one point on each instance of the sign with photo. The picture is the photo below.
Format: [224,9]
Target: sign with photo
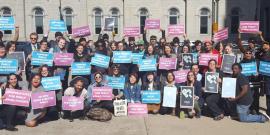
[228,87]
[109,24]
[18,56]
[169,97]
[187,59]
[227,62]
[187,97]
[120,107]
[211,82]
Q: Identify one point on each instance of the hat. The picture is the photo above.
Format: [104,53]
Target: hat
[207,41]
[76,79]
[153,37]
[115,66]
[140,42]
[58,34]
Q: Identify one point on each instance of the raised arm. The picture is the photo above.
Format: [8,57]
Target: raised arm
[16,36]
[239,42]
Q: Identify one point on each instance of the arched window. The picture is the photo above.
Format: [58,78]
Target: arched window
[235,18]
[6,12]
[173,16]
[38,16]
[143,16]
[204,20]
[98,20]
[68,13]
[115,15]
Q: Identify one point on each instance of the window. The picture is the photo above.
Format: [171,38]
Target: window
[6,12]
[115,15]
[143,16]
[68,13]
[98,19]
[38,16]
[204,21]
[235,13]
[173,16]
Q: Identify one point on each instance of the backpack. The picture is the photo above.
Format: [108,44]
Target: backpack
[99,114]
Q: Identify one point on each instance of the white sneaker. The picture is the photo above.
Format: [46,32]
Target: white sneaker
[265,115]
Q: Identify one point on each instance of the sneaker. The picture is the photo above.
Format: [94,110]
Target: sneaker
[266,116]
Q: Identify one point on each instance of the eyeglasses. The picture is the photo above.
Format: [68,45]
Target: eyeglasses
[33,38]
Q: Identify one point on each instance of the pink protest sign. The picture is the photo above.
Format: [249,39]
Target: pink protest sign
[167,63]
[249,26]
[81,31]
[180,76]
[137,109]
[132,31]
[205,57]
[72,103]
[43,99]
[17,97]
[152,24]
[176,30]
[221,35]
[63,59]
[102,93]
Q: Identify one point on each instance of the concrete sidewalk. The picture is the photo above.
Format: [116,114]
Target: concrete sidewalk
[151,125]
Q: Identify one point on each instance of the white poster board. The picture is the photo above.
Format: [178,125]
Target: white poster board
[228,87]
[169,97]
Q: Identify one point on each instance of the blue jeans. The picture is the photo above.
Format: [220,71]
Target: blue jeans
[244,116]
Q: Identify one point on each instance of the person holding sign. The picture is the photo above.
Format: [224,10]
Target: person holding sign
[151,85]
[100,49]
[253,78]
[198,102]
[118,93]
[108,104]
[11,112]
[77,89]
[132,90]
[186,58]
[212,99]
[243,97]
[209,49]
[35,115]
[170,82]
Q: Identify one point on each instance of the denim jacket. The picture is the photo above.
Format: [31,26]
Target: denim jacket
[132,94]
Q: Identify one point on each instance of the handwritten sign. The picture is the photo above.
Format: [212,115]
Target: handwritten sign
[57,26]
[7,23]
[180,76]
[249,26]
[43,99]
[211,82]
[81,31]
[167,63]
[249,69]
[120,107]
[228,87]
[72,103]
[51,83]
[8,66]
[132,31]
[187,97]
[176,30]
[205,57]
[102,93]
[151,97]
[152,24]
[122,56]
[17,97]
[169,97]
[221,35]
[41,58]
[137,109]
[63,59]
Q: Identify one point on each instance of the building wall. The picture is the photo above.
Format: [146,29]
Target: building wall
[158,9]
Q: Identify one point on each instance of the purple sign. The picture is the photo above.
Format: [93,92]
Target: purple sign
[167,63]
[180,76]
[72,103]
[63,59]
[102,93]
[81,31]
[43,99]
[132,31]
[152,24]
[137,109]
[17,97]
[205,57]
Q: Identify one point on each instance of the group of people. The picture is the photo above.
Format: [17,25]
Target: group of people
[244,107]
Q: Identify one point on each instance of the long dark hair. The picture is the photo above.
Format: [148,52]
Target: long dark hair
[17,85]
[31,79]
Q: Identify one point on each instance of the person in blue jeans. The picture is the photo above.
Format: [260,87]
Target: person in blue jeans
[244,97]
